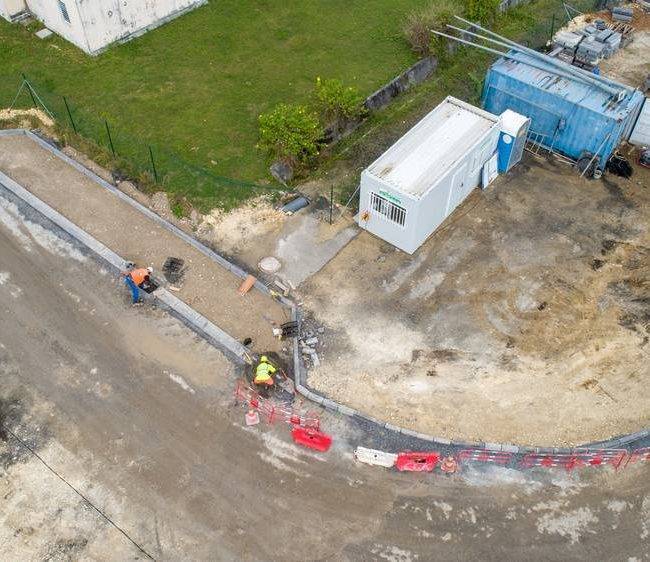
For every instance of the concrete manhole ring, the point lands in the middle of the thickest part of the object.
(269, 264)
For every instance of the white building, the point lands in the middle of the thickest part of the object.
(12, 9)
(411, 188)
(92, 25)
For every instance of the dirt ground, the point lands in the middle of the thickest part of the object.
(524, 319)
(135, 413)
(207, 287)
(632, 64)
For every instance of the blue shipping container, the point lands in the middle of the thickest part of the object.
(567, 115)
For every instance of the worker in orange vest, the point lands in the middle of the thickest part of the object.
(134, 278)
(264, 372)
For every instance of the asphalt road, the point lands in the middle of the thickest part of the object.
(128, 409)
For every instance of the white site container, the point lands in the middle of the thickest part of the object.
(417, 183)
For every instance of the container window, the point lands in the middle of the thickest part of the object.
(64, 11)
(387, 209)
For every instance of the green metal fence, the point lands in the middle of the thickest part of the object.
(151, 165)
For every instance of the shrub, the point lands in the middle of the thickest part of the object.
(482, 11)
(290, 133)
(437, 15)
(336, 101)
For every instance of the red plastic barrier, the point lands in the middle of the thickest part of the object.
(311, 438)
(483, 455)
(417, 462)
(576, 459)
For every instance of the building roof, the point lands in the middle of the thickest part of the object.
(415, 163)
(572, 90)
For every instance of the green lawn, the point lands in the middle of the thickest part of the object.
(196, 85)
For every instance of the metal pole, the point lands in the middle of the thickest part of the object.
(555, 71)
(331, 202)
(153, 164)
(29, 87)
(557, 67)
(110, 140)
(552, 27)
(614, 87)
(67, 107)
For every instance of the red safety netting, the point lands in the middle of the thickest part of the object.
(272, 411)
(576, 459)
(482, 455)
(638, 456)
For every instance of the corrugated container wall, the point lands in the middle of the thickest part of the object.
(567, 115)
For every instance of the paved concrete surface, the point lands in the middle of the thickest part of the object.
(530, 303)
(207, 287)
(134, 412)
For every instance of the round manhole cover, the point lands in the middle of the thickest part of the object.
(270, 265)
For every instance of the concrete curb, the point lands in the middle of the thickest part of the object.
(177, 307)
(236, 270)
(223, 340)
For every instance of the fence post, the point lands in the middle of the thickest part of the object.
(153, 164)
(110, 140)
(331, 202)
(67, 107)
(29, 87)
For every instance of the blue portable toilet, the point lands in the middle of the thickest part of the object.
(512, 140)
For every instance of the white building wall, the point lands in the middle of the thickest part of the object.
(11, 8)
(50, 13)
(107, 21)
(454, 187)
(95, 24)
(379, 225)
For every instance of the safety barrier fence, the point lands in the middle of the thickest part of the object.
(427, 461)
(305, 426)
(273, 411)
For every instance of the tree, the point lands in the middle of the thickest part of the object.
(336, 101)
(290, 133)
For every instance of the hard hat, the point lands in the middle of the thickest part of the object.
(264, 359)
(150, 269)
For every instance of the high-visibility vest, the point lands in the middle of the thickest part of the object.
(139, 275)
(263, 372)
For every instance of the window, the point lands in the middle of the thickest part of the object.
(64, 11)
(387, 209)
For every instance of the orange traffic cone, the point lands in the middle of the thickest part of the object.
(252, 417)
(449, 465)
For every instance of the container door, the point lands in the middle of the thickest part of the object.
(458, 190)
(490, 171)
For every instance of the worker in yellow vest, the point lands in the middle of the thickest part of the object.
(264, 372)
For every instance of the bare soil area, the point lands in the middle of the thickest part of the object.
(135, 412)
(207, 286)
(525, 318)
(632, 64)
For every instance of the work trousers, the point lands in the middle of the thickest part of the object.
(135, 292)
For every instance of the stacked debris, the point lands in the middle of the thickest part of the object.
(309, 344)
(623, 14)
(586, 47)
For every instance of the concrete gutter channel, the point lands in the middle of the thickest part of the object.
(375, 433)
